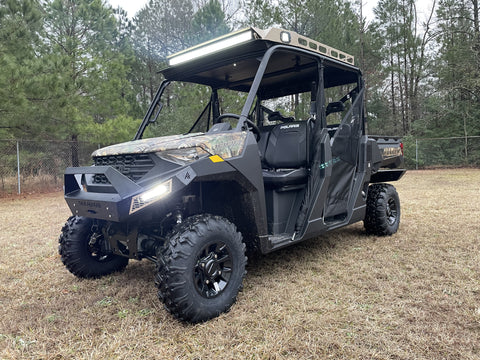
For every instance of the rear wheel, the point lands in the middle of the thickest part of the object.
(83, 252)
(201, 269)
(383, 210)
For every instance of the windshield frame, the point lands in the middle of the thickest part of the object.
(151, 110)
(242, 125)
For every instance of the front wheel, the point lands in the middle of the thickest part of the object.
(382, 217)
(201, 269)
(83, 252)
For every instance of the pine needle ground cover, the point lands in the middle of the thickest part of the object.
(415, 295)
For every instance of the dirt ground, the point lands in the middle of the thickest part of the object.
(345, 295)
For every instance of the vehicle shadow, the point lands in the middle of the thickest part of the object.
(312, 250)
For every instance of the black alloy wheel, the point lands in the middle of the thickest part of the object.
(392, 212)
(382, 217)
(213, 269)
(201, 268)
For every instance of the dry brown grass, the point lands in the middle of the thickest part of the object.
(30, 185)
(415, 295)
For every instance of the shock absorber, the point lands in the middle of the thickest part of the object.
(178, 216)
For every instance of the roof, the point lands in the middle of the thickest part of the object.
(277, 35)
(231, 61)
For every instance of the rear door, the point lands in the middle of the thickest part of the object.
(345, 144)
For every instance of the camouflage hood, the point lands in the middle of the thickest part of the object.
(226, 145)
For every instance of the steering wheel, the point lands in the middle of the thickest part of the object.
(251, 125)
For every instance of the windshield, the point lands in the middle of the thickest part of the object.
(182, 107)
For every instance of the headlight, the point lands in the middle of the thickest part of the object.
(153, 194)
(183, 156)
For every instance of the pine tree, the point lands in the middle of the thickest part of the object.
(209, 22)
(161, 29)
(404, 59)
(82, 37)
(20, 67)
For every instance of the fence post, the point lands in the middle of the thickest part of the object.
(18, 168)
(416, 154)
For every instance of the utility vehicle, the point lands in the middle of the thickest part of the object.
(271, 149)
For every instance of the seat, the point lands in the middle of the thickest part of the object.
(280, 178)
(262, 142)
(284, 159)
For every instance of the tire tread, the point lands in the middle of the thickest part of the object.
(375, 221)
(169, 278)
(72, 250)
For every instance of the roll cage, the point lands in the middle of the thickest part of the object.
(263, 70)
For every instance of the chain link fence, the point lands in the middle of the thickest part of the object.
(424, 153)
(37, 166)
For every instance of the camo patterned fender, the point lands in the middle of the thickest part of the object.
(226, 145)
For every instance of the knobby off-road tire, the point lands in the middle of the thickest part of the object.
(81, 251)
(382, 217)
(201, 269)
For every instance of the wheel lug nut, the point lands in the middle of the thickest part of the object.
(207, 282)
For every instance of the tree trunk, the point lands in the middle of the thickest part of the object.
(392, 92)
(475, 18)
(74, 148)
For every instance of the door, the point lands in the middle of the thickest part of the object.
(345, 144)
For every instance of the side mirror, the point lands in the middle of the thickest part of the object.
(334, 107)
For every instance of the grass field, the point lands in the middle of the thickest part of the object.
(415, 295)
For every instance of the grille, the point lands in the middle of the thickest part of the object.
(132, 166)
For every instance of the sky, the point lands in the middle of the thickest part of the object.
(133, 6)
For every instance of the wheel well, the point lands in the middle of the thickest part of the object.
(228, 199)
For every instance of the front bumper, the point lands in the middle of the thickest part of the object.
(111, 204)
(118, 198)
